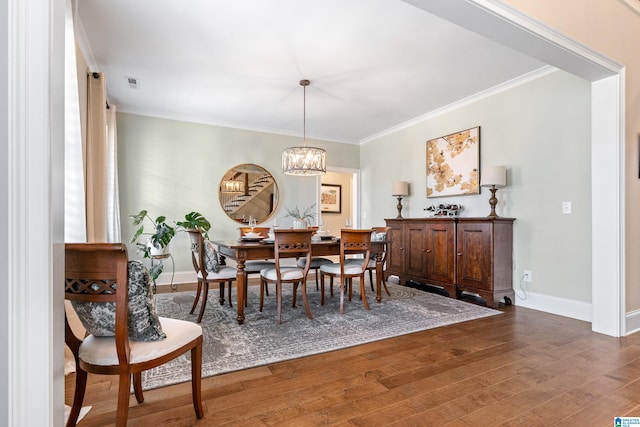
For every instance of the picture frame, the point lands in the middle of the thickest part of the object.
(331, 198)
(453, 164)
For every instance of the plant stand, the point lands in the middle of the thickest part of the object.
(160, 258)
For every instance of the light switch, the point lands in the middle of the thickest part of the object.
(566, 208)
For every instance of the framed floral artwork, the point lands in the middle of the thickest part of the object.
(331, 198)
(453, 164)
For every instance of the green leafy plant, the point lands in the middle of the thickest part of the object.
(297, 214)
(195, 221)
(159, 238)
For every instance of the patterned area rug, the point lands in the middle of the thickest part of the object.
(260, 340)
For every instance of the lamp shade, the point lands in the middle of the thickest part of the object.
(493, 175)
(400, 188)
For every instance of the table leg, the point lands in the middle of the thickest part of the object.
(379, 278)
(240, 291)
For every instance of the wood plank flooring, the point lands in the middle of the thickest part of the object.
(522, 368)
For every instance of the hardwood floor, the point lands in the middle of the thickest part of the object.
(522, 368)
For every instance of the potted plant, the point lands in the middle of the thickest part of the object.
(300, 218)
(155, 245)
(195, 221)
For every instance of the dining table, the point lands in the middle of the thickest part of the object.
(241, 251)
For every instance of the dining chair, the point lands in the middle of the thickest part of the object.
(377, 234)
(111, 297)
(352, 242)
(316, 261)
(208, 270)
(255, 267)
(290, 243)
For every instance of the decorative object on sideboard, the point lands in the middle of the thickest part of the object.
(453, 164)
(304, 160)
(443, 210)
(399, 189)
(494, 177)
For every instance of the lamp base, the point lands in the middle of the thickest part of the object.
(493, 201)
(399, 207)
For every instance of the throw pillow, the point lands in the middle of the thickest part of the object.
(144, 325)
(377, 237)
(211, 260)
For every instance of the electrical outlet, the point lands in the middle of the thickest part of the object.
(526, 276)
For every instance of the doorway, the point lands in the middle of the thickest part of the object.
(338, 199)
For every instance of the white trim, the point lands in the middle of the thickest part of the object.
(632, 321)
(502, 87)
(190, 118)
(560, 306)
(35, 216)
(84, 45)
(633, 4)
(510, 27)
(607, 207)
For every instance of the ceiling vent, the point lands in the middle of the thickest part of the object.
(133, 83)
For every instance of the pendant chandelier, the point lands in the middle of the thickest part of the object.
(304, 160)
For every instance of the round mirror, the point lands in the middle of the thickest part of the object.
(248, 192)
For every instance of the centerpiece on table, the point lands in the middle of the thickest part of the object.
(301, 218)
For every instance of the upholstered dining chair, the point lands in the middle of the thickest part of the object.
(208, 270)
(378, 233)
(290, 243)
(254, 267)
(316, 261)
(113, 299)
(352, 242)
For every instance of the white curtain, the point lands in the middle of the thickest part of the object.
(75, 225)
(92, 212)
(100, 167)
(113, 204)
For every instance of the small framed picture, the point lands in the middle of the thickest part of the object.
(331, 198)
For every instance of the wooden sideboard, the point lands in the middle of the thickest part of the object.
(472, 255)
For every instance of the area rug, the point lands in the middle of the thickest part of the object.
(260, 340)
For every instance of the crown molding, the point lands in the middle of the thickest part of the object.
(509, 84)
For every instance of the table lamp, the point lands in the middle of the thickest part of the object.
(494, 177)
(399, 189)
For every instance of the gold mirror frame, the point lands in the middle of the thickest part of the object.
(248, 190)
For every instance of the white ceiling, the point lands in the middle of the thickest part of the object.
(373, 64)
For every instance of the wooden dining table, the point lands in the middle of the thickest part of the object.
(241, 251)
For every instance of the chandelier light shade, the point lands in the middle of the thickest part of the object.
(304, 160)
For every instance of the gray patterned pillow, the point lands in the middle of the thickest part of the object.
(211, 260)
(144, 325)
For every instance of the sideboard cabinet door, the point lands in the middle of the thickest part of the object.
(395, 248)
(440, 247)
(423, 250)
(484, 264)
(415, 234)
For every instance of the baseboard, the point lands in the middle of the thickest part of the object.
(167, 278)
(632, 322)
(554, 305)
